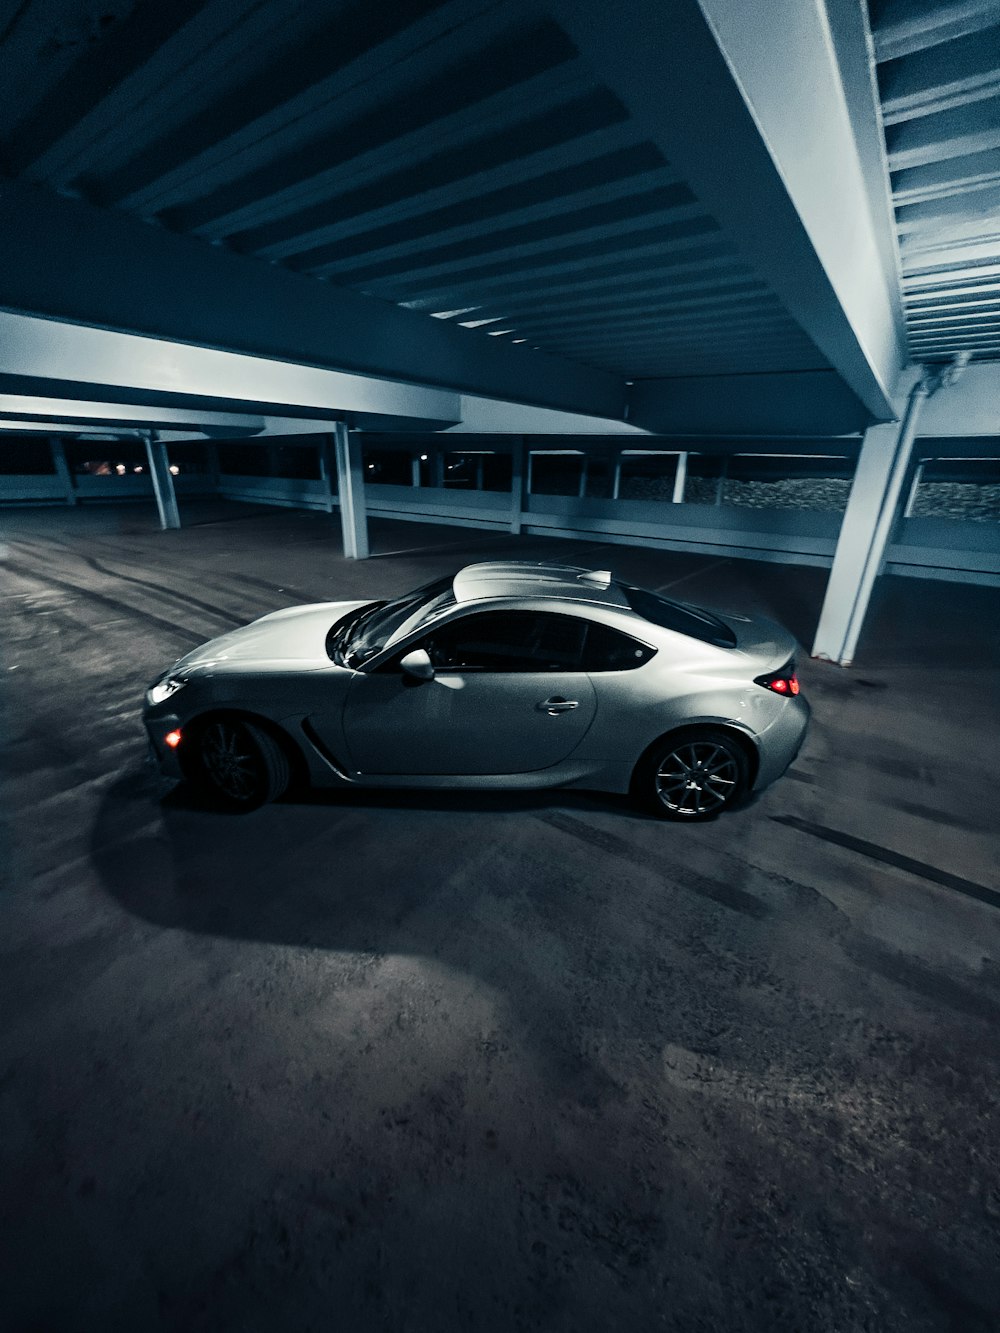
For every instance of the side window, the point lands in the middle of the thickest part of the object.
(610, 650)
(508, 641)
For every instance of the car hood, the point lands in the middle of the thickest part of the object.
(295, 636)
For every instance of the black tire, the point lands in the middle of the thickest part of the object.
(694, 776)
(237, 765)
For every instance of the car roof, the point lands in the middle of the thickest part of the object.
(522, 578)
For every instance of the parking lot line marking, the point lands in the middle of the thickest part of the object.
(713, 564)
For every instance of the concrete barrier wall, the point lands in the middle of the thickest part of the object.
(293, 492)
(922, 547)
(946, 548)
(49, 489)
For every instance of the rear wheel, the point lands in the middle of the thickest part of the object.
(238, 765)
(695, 776)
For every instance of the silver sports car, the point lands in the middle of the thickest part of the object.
(508, 674)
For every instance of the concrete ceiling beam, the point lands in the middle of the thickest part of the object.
(958, 132)
(944, 76)
(68, 260)
(906, 26)
(749, 104)
(812, 402)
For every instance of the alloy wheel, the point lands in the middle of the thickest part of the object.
(697, 778)
(229, 760)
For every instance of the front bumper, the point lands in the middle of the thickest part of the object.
(168, 760)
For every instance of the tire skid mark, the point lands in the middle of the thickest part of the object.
(183, 598)
(725, 895)
(980, 892)
(165, 626)
(273, 588)
(920, 979)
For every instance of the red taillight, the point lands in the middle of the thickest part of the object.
(173, 739)
(783, 682)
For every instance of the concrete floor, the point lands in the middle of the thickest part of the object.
(531, 1061)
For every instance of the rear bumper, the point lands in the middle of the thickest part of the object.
(780, 743)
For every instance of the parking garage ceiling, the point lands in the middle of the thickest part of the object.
(939, 84)
(518, 174)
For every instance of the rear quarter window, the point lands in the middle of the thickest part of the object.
(608, 649)
(689, 620)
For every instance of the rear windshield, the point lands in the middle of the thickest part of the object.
(689, 620)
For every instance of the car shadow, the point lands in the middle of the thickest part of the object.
(514, 889)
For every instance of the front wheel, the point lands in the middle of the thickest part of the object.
(238, 765)
(694, 777)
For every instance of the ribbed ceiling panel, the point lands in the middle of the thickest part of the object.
(453, 156)
(939, 81)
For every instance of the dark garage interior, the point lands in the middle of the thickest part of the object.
(306, 304)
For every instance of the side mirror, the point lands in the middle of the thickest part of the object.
(418, 664)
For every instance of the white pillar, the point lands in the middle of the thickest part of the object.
(163, 481)
(415, 469)
(911, 499)
(58, 450)
(351, 486)
(616, 475)
(584, 469)
(865, 530)
(327, 471)
(212, 457)
(721, 482)
(680, 479)
(518, 478)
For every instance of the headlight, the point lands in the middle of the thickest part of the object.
(164, 688)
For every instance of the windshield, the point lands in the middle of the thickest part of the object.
(373, 630)
(685, 619)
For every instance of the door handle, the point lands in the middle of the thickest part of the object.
(556, 705)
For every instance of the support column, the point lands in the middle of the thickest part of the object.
(438, 467)
(584, 470)
(327, 471)
(864, 533)
(415, 470)
(163, 481)
(616, 475)
(212, 458)
(680, 479)
(911, 499)
(58, 450)
(518, 478)
(351, 486)
(721, 482)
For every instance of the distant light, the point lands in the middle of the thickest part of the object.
(173, 739)
(423, 458)
(479, 323)
(371, 467)
(519, 340)
(121, 469)
(137, 469)
(174, 469)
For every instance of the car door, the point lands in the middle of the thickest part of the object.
(509, 695)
